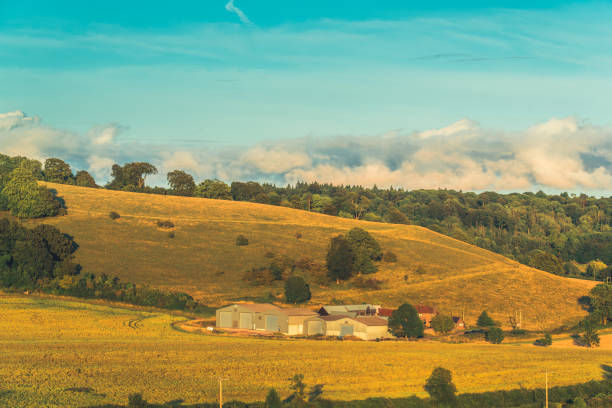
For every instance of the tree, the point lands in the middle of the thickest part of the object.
(241, 240)
(601, 303)
(405, 322)
(131, 175)
(442, 323)
(84, 179)
(440, 387)
(484, 320)
(296, 290)
(340, 259)
(365, 249)
(544, 341)
(181, 183)
(590, 338)
(494, 335)
(273, 400)
(298, 386)
(215, 189)
(58, 171)
(26, 199)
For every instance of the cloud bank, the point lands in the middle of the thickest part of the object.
(561, 154)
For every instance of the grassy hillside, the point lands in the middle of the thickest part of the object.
(57, 353)
(203, 259)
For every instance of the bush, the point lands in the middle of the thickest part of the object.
(441, 388)
(171, 234)
(442, 323)
(137, 401)
(544, 341)
(370, 283)
(165, 224)
(296, 290)
(494, 335)
(241, 240)
(405, 322)
(113, 215)
(389, 257)
(298, 235)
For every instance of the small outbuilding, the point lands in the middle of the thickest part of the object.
(363, 327)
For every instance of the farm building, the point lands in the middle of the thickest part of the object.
(349, 310)
(459, 324)
(364, 327)
(426, 313)
(263, 317)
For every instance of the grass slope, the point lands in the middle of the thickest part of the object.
(58, 353)
(203, 259)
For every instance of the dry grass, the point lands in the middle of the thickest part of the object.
(204, 260)
(49, 346)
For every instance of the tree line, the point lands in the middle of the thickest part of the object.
(549, 232)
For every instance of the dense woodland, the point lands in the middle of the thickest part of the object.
(551, 232)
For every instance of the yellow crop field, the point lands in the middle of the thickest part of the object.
(59, 353)
(203, 259)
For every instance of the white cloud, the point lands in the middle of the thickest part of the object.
(233, 9)
(556, 155)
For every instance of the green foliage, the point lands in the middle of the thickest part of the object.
(601, 303)
(26, 199)
(84, 179)
(131, 176)
(590, 337)
(296, 290)
(440, 387)
(213, 189)
(114, 215)
(545, 261)
(241, 240)
(405, 322)
(544, 341)
(389, 257)
(137, 401)
(273, 400)
(165, 224)
(58, 171)
(365, 249)
(340, 259)
(298, 387)
(181, 183)
(484, 320)
(494, 335)
(442, 323)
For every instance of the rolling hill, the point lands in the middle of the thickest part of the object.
(203, 259)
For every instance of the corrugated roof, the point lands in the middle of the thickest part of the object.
(332, 318)
(260, 307)
(371, 321)
(424, 309)
(298, 312)
(385, 312)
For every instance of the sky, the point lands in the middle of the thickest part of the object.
(469, 95)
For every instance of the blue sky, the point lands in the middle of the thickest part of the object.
(211, 75)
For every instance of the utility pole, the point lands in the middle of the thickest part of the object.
(546, 388)
(221, 391)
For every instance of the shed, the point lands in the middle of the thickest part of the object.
(366, 328)
(263, 317)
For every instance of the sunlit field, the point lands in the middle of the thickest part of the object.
(204, 260)
(60, 353)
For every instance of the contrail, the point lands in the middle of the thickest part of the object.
(233, 9)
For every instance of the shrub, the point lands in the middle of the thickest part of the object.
(369, 283)
(171, 234)
(269, 255)
(494, 335)
(137, 401)
(165, 224)
(389, 257)
(298, 235)
(296, 290)
(590, 338)
(544, 341)
(420, 270)
(273, 400)
(241, 240)
(114, 215)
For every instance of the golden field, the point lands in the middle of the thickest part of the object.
(203, 259)
(104, 353)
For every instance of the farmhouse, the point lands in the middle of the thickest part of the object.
(426, 313)
(263, 317)
(363, 327)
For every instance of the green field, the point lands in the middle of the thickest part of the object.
(58, 353)
(203, 259)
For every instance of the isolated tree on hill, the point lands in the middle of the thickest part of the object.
(181, 183)
(366, 250)
(440, 387)
(590, 338)
(442, 323)
(296, 290)
(405, 322)
(484, 320)
(340, 259)
(84, 179)
(58, 171)
(215, 189)
(130, 175)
